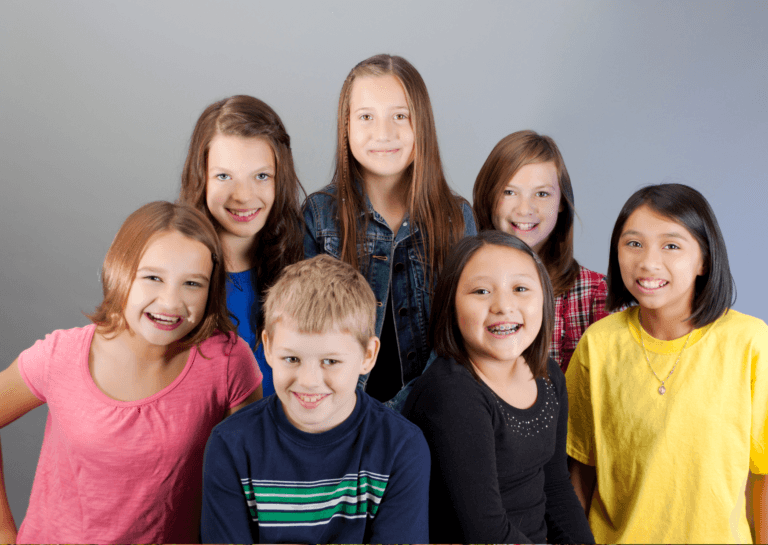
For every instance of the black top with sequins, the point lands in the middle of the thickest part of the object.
(499, 473)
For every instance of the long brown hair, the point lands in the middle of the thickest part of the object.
(511, 154)
(444, 333)
(431, 203)
(124, 255)
(280, 241)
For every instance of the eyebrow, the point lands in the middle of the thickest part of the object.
(362, 108)
(162, 271)
(490, 279)
(673, 234)
(259, 169)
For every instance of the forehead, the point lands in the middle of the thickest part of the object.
(172, 250)
(287, 334)
(370, 91)
(235, 150)
(536, 174)
(499, 263)
(647, 221)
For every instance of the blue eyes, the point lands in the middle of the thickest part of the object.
(223, 177)
(261, 176)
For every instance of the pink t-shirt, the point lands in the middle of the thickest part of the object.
(126, 472)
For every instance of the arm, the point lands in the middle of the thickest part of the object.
(225, 517)
(311, 247)
(403, 514)
(456, 420)
(565, 516)
(757, 506)
(255, 396)
(16, 399)
(584, 479)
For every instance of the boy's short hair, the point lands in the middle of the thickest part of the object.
(322, 294)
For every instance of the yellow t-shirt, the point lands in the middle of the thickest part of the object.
(670, 468)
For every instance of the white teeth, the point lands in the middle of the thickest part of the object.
(311, 398)
(165, 320)
(652, 284)
(243, 213)
(524, 226)
(505, 329)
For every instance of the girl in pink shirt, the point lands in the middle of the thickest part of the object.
(132, 398)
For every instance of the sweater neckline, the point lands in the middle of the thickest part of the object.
(323, 439)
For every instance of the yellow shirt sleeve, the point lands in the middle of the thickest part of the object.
(580, 444)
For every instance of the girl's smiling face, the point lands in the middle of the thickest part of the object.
(380, 132)
(499, 304)
(529, 204)
(169, 293)
(240, 184)
(659, 261)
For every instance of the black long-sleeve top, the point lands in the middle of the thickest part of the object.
(499, 473)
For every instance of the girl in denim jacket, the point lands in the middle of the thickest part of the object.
(389, 211)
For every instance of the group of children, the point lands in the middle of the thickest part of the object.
(384, 293)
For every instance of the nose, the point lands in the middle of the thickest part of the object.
(502, 302)
(651, 258)
(243, 191)
(310, 375)
(384, 129)
(170, 297)
(525, 206)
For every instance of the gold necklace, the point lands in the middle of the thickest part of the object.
(662, 389)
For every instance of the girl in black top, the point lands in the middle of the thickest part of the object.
(493, 406)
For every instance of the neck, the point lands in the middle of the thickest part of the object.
(501, 372)
(238, 254)
(665, 325)
(388, 196)
(134, 347)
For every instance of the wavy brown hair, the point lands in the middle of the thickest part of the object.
(126, 251)
(431, 203)
(444, 333)
(280, 241)
(513, 152)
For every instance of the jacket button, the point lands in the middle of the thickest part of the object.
(399, 267)
(411, 355)
(403, 311)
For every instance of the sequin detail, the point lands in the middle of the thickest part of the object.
(537, 422)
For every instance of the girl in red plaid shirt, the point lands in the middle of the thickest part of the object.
(524, 189)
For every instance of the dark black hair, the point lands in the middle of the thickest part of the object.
(715, 290)
(444, 334)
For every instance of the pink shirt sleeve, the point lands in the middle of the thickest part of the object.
(34, 362)
(243, 374)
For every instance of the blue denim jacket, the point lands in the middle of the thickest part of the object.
(393, 259)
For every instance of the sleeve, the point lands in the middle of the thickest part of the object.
(470, 227)
(597, 312)
(580, 444)
(457, 422)
(226, 516)
(758, 354)
(311, 246)
(243, 374)
(403, 514)
(34, 364)
(566, 521)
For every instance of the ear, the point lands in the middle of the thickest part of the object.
(267, 347)
(702, 269)
(371, 352)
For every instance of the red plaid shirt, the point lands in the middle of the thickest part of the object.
(575, 310)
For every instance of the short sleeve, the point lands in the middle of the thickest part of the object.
(581, 424)
(758, 357)
(35, 361)
(243, 376)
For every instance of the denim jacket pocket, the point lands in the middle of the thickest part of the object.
(331, 242)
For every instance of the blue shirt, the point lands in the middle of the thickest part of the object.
(395, 260)
(364, 481)
(243, 304)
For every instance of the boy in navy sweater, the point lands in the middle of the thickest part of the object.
(320, 461)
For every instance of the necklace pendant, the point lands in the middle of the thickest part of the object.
(662, 390)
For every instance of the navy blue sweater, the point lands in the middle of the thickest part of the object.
(364, 481)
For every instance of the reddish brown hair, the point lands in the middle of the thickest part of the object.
(126, 251)
(511, 154)
(431, 204)
(281, 241)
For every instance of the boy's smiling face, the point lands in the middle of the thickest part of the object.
(315, 374)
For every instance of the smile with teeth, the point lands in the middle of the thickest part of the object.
(167, 322)
(652, 283)
(504, 329)
(523, 226)
(309, 401)
(243, 215)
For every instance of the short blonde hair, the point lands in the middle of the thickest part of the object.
(322, 294)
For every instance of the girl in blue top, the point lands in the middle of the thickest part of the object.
(239, 172)
(388, 210)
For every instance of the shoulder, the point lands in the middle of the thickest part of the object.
(470, 226)
(224, 346)
(556, 376)
(246, 422)
(445, 386)
(322, 197)
(741, 328)
(62, 341)
(588, 281)
(385, 421)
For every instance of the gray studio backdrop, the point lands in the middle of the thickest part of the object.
(98, 100)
